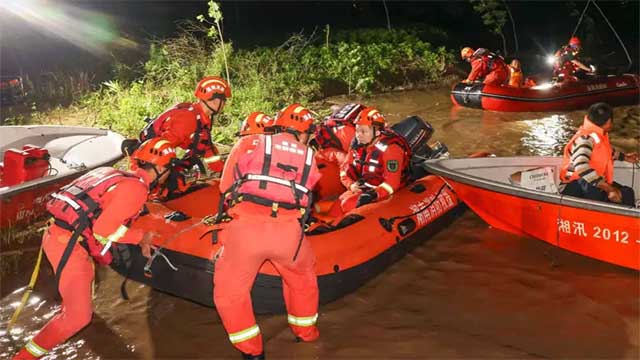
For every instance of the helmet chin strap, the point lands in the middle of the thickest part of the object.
(154, 183)
(213, 112)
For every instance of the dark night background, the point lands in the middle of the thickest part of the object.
(541, 26)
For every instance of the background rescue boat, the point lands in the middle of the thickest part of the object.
(360, 246)
(38, 160)
(612, 89)
(507, 194)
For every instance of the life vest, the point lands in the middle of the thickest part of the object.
(490, 61)
(200, 139)
(76, 206)
(515, 77)
(601, 154)
(338, 130)
(280, 172)
(368, 161)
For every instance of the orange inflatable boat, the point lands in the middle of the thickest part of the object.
(349, 251)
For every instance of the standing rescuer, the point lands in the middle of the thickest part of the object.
(188, 125)
(268, 186)
(94, 211)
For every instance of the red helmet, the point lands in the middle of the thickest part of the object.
(256, 123)
(156, 151)
(575, 41)
(466, 52)
(295, 117)
(370, 117)
(212, 87)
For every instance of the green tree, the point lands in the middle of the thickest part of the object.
(215, 29)
(494, 16)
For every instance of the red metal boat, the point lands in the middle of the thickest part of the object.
(38, 160)
(506, 193)
(613, 89)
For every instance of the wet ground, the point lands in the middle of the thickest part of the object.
(469, 292)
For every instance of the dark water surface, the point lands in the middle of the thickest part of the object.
(469, 292)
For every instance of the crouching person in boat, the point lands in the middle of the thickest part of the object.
(485, 64)
(567, 65)
(377, 164)
(89, 215)
(188, 126)
(332, 139)
(587, 168)
(267, 181)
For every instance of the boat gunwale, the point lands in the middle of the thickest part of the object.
(436, 167)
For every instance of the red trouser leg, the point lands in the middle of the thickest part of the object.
(299, 287)
(348, 201)
(235, 271)
(248, 242)
(75, 290)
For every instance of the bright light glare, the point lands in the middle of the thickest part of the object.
(543, 86)
(89, 30)
(550, 59)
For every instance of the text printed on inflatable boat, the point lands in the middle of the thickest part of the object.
(578, 228)
(437, 208)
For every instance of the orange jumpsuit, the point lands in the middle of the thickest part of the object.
(392, 177)
(479, 69)
(250, 239)
(179, 129)
(123, 202)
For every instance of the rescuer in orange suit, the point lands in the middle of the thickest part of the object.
(89, 215)
(567, 65)
(485, 64)
(188, 125)
(377, 164)
(259, 181)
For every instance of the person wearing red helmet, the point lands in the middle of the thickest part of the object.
(256, 123)
(88, 217)
(267, 186)
(567, 66)
(377, 164)
(188, 125)
(485, 65)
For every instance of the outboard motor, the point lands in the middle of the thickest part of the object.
(417, 132)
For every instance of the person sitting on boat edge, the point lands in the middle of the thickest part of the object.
(377, 165)
(94, 211)
(587, 167)
(268, 185)
(188, 126)
(567, 66)
(485, 65)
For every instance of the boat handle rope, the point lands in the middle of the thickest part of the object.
(387, 224)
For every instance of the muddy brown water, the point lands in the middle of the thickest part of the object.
(469, 292)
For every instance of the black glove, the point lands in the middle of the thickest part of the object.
(367, 197)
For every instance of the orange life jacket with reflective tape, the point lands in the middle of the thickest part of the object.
(77, 205)
(368, 161)
(601, 154)
(280, 172)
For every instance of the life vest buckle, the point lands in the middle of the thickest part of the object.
(274, 209)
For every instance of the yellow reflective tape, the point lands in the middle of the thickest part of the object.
(34, 349)
(387, 187)
(244, 335)
(118, 234)
(211, 159)
(101, 239)
(160, 143)
(302, 321)
(298, 109)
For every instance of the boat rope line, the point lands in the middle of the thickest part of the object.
(610, 26)
(549, 99)
(25, 296)
(387, 224)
